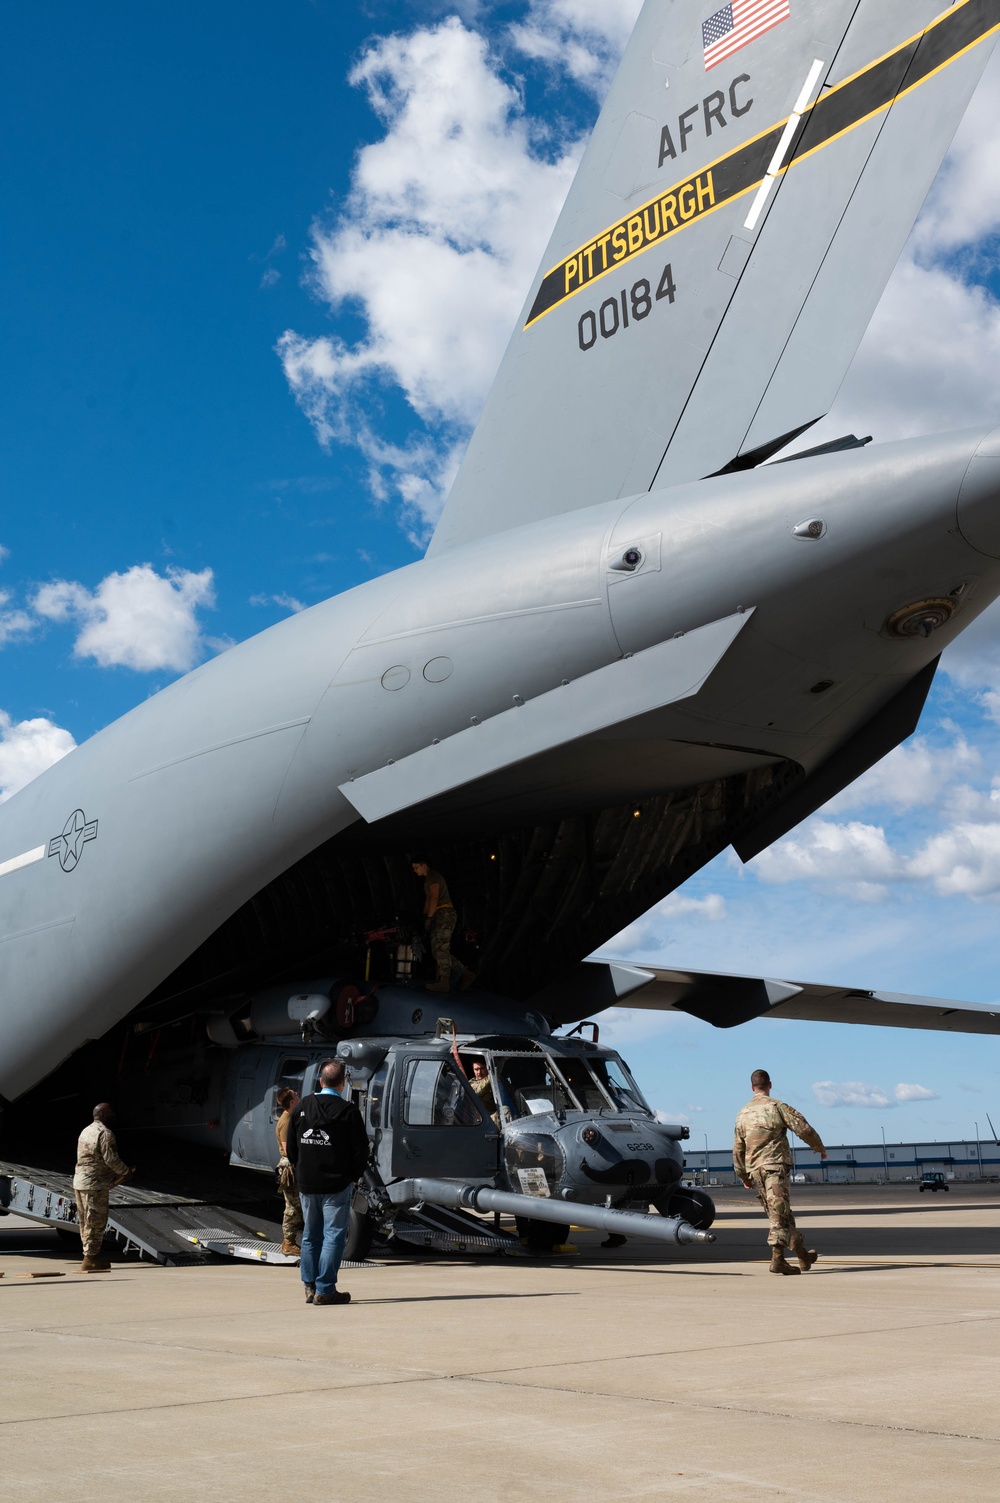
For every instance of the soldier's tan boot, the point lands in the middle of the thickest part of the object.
(94, 1265)
(806, 1255)
(778, 1264)
(290, 1249)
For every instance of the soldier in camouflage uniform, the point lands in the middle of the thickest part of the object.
(439, 920)
(98, 1169)
(479, 1081)
(763, 1161)
(291, 1221)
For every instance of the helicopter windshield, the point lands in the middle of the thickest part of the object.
(529, 1086)
(617, 1081)
(532, 1084)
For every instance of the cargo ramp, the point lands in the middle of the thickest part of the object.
(167, 1227)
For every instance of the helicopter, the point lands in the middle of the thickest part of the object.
(564, 1135)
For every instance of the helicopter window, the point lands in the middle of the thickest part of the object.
(583, 1085)
(375, 1095)
(619, 1084)
(291, 1074)
(434, 1095)
(533, 1087)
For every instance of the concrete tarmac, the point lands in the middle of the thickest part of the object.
(635, 1374)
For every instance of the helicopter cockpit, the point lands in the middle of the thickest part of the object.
(529, 1081)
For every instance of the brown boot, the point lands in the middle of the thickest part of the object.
(438, 986)
(805, 1255)
(290, 1249)
(94, 1265)
(778, 1264)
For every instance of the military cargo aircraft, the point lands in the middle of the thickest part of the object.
(632, 642)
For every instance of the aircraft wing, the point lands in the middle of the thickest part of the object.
(748, 187)
(726, 1001)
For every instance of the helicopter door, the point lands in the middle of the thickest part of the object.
(439, 1129)
(249, 1106)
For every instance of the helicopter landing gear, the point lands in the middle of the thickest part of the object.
(694, 1205)
(541, 1236)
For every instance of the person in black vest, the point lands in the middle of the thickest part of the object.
(328, 1148)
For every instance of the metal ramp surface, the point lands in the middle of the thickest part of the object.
(164, 1226)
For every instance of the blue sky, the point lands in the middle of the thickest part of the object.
(262, 260)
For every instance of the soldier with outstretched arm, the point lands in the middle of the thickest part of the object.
(763, 1161)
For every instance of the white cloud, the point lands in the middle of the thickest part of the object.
(904, 1092)
(679, 905)
(138, 619)
(973, 661)
(583, 38)
(964, 859)
(681, 1117)
(14, 623)
(856, 858)
(913, 774)
(287, 602)
(833, 1093)
(445, 223)
(677, 910)
(27, 747)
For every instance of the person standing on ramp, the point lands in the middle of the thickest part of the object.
(763, 1161)
(291, 1221)
(98, 1170)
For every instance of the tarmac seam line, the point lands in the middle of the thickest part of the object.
(238, 1398)
(729, 1346)
(775, 1414)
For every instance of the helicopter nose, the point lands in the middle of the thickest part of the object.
(979, 498)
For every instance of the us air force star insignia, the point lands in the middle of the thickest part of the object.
(69, 845)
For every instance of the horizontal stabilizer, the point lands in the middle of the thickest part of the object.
(726, 1001)
(632, 686)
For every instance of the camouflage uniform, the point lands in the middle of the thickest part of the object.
(292, 1220)
(97, 1168)
(487, 1100)
(761, 1155)
(441, 926)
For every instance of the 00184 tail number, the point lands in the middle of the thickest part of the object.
(631, 306)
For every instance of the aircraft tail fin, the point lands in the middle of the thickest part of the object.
(748, 187)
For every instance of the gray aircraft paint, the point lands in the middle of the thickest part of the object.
(215, 786)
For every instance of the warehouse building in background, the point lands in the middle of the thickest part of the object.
(866, 1163)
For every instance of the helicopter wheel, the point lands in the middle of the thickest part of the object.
(360, 1236)
(541, 1236)
(694, 1205)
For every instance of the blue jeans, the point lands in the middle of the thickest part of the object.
(323, 1237)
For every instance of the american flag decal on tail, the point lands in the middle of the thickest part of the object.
(738, 23)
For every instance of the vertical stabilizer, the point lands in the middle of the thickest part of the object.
(746, 192)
